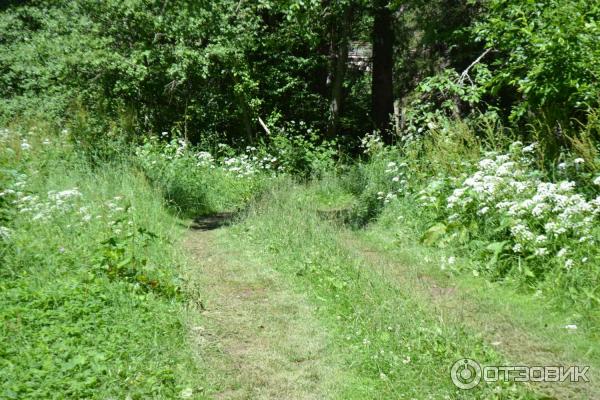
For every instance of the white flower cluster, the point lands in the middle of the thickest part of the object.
(249, 164)
(44, 209)
(371, 143)
(205, 159)
(541, 214)
(5, 233)
(398, 178)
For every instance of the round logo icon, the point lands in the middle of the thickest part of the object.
(466, 374)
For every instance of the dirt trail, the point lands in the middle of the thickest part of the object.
(257, 337)
(456, 306)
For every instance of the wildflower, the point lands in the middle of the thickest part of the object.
(571, 327)
(566, 186)
(517, 248)
(451, 260)
(539, 209)
(562, 252)
(5, 233)
(569, 263)
(65, 194)
(578, 161)
(483, 211)
(597, 181)
(486, 164)
(542, 251)
(531, 148)
(25, 145)
(541, 239)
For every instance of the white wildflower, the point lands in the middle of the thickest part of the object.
(562, 252)
(541, 239)
(483, 211)
(5, 233)
(571, 327)
(517, 248)
(531, 148)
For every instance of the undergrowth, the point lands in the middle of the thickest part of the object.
(90, 298)
(507, 210)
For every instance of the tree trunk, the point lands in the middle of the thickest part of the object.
(383, 62)
(340, 37)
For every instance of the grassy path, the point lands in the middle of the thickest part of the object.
(258, 338)
(295, 306)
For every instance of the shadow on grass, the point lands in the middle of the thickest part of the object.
(213, 221)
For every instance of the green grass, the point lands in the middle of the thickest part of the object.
(89, 306)
(393, 343)
(92, 306)
(533, 313)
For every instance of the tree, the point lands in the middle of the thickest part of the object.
(341, 32)
(383, 62)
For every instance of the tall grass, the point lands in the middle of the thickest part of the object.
(89, 291)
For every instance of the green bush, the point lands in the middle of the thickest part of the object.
(548, 54)
(196, 183)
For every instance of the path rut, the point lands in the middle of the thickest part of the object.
(257, 337)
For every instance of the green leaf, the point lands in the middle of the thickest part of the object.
(434, 234)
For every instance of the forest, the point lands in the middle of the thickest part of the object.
(299, 199)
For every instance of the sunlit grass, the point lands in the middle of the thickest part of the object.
(89, 297)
